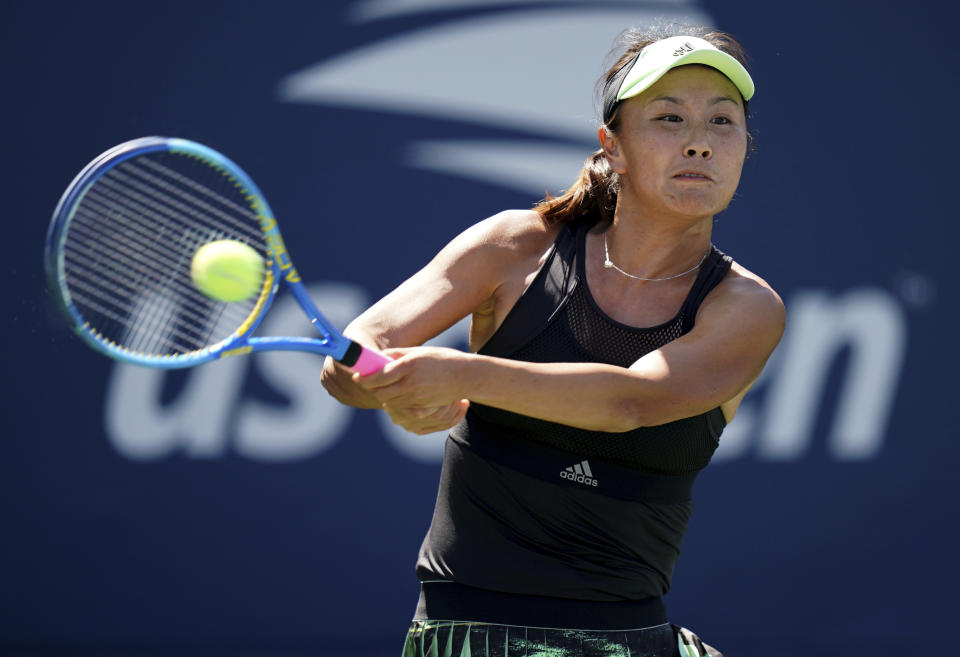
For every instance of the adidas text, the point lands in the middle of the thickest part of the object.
(579, 473)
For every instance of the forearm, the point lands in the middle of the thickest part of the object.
(586, 395)
(591, 396)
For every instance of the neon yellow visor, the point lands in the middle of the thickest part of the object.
(661, 56)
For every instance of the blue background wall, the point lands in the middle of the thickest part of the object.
(235, 509)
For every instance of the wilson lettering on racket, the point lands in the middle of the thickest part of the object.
(120, 245)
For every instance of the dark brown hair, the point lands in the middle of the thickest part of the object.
(593, 195)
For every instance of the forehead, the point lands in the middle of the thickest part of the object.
(693, 80)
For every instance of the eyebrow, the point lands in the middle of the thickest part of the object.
(677, 101)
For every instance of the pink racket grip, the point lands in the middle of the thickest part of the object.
(367, 360)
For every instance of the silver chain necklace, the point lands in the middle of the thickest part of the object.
(608, 264)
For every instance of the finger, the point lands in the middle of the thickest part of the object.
(418, 412)
(411, 414)
(416, 419)
(403, 417)
(413, 419)
(445, 417)
(426, 413)
(377, 380)
(435, 428)
(397, 352)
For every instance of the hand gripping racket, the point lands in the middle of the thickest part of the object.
(119, 249)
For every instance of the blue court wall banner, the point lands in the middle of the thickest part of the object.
(237, 509)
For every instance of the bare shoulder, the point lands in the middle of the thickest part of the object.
(466, 277)
(499, 248)
(746, 281)
(749, 299)
(508, 250)
(517, 231)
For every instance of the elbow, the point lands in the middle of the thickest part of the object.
(633, 413)
(627, 415)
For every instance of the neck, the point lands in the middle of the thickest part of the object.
(657, 248)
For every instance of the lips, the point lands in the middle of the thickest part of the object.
(692, 175)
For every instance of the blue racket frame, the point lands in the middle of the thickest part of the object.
(280, 267)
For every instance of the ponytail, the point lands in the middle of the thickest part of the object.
(592, 197)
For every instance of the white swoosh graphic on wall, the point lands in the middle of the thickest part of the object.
(370, 10)
(531, 71)
(529, 167)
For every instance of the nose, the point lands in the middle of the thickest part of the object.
(698, 145)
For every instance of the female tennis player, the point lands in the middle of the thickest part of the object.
(611, 342)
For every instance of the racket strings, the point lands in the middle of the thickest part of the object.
(240, 218)
(140, 249)
(129, 246)
(145, 342)
(139, 245)
(115, 304)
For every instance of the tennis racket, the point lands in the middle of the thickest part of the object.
(119, 248)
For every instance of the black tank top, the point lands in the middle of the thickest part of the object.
(530, 507)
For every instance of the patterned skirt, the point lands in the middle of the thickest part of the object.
(427, 638)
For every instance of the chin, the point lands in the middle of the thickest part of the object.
(698, 211)
(699, 206)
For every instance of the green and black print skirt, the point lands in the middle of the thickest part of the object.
(428, 638)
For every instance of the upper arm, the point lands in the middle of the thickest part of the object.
(738, 326)
(464, 276)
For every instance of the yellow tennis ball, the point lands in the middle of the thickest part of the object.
(227, 270)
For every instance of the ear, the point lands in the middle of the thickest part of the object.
(611, 148)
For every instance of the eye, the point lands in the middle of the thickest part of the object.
(721, 120)
(670, 118)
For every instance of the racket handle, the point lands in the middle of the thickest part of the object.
(363, 359)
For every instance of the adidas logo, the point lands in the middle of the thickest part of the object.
(579, 473)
